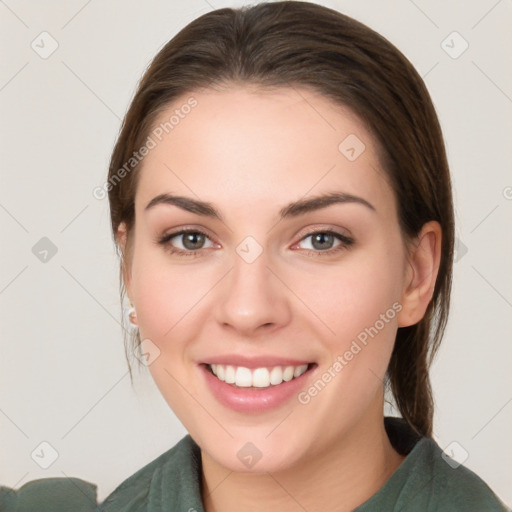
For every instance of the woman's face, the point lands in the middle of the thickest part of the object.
(267, 285)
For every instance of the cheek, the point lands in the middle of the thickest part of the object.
(169, 308)
(353, 367)
(358, 305)
(351, 297)
(167, 295)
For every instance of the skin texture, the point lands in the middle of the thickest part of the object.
(251, 152)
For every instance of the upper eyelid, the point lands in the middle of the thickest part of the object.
(342, 238)
(326, 230)
(184, 231)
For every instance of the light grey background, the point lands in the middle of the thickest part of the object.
(63, 375)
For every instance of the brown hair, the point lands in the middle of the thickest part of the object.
(303, 44)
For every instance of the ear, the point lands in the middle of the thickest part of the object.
(423, 265)
(121, 239)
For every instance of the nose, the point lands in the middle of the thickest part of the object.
(252, 299)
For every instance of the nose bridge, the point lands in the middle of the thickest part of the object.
(251, 296)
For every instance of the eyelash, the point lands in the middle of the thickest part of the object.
(346, 242)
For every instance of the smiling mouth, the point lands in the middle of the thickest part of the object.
(257, 378)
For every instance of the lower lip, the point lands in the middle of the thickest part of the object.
(254, 399)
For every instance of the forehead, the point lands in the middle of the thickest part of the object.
(241, 147)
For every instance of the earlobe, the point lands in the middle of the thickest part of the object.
(121, 236)
(423, 260)
(121, 239)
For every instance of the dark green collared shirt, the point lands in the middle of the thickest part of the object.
(426, 481)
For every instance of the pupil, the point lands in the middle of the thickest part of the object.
(322, 238)
(193, 239)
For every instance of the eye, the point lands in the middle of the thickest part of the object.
(190, 242)
(185, 242)
(325, 242)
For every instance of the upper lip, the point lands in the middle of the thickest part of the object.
(254, 361)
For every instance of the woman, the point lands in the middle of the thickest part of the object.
(281, 200)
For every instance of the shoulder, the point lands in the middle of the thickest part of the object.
(50, 495)
(457, 487)
(171, 478)
(429, 480)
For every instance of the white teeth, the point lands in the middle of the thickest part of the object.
(259, 377)
(288, 373)
(230, 375)
(276, 375)
(300, 370)
(243, 377)
(220, 372)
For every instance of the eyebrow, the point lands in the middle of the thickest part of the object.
(294, 209)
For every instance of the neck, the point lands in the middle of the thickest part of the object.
(340, 478)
